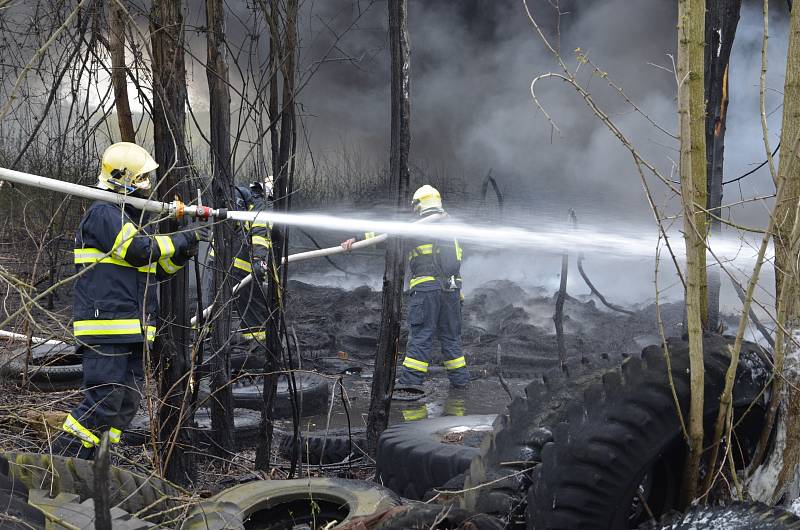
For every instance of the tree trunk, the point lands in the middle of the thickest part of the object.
(389, 333)
(784, 458)
(722, 19)
(116, 44)
(174, 337)
(282, 165)
(222, 191)
(691, 106)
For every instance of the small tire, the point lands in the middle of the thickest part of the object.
(149, 497)
(736, 516)
(247, 424)
(278, 504)
(317, 448)
(52, 367)
(313, 391)
(412, 458)
(424, 516)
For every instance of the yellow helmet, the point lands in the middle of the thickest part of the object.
(426, 200)
(125, 168)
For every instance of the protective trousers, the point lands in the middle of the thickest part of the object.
(432, 312)
(251, 304)
(113, 378)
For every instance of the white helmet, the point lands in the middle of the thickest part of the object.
(427, 200)
(263, 186)
(125, 168)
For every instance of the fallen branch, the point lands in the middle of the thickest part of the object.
(596, 292)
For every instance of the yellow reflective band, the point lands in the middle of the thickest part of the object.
(422, 250)
(123, 240)
(211, 253)
(370, 235)
(419, 413)
(169, 266)
(114, 435)
(456, 363)
(420, 279)
(262, 241)
(413, 364)
(260, 224)
(165, 246)
(124, 326)
(242, 264)
(255, 335)
(85, 256)
(150, 333)
(455, 407)
(459, 250)
(72, 426)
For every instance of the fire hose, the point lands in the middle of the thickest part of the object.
(179, 210)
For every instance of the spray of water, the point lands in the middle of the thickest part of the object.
(543, 237)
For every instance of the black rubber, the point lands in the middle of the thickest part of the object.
(313, 392)
(15, 512)
(432, 516)
(148, 496)
(412, 459)
(53, 367)
(625, 435)
(736, 516)
(317, 448)
(280, 504)
(518, 436)
(246, 428)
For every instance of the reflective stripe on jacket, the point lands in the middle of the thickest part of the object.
(116, 298)
(432, 264)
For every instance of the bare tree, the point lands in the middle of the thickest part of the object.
(172, 343)
(691, 111)
(393, 275)
(116, 46)
(222, 191)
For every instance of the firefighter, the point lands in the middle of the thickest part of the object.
(120, 262)
(435, 304)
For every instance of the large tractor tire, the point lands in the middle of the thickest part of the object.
(297, 503)
(317, 447)
(502, 465)
(620, 451)
(52, 367)
(736, 516)
(414, 458)
(151, 498)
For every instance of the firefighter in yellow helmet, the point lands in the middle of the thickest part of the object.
(435, 304)
(115, 301)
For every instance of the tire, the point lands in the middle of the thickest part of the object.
(317, 448)
(412, 458)
(736, 516)
(279, 504)
(15, 512)
(53, 367)
(246, 429)
(518, 436)
(313, 391)
(625, 439)
(147, 496)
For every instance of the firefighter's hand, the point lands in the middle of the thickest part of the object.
(260, 270)
(200, 230)
(348, 245)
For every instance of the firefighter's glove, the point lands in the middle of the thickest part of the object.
(201, 231)
(260, 270)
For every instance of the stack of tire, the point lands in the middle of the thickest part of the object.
(596, 445)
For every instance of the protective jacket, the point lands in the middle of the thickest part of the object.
(116, 298)
(252, 242)
(435, 265)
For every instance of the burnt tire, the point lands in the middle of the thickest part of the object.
(148, 496)
(246, 429)
(432, 516)
(52, 367)
(313, 393)
(412, 457)
(736, 516)
(519, 435)
(317, 448)
(279, 504)
(623, 441)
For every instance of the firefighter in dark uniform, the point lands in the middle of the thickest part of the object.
(115, 304)
(435, 304)
(251, 250)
